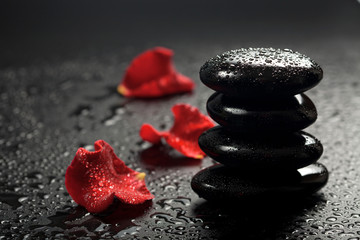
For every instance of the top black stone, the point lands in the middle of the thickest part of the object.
(254, 72)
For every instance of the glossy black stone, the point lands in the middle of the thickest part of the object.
(258, 72)
(254, 151)
(222, 183)
(292, 113)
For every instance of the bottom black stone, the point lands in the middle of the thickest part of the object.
(222, 183)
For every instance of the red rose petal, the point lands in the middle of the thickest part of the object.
(189, 124)
(151, 74)
(150, 134)
(94, 178)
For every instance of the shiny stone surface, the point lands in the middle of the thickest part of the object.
(292, 113)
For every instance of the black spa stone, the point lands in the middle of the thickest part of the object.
(259, 72)
(221, 183)
(291, 113)
(255, 151)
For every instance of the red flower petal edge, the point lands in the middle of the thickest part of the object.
(189, 124)
(151, 74)
(94, 178)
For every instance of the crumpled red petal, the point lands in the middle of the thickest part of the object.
(151, 74)
(189, 124)
(94, 178)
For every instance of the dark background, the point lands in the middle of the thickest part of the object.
(60, 63)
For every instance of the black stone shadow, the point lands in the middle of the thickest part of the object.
(257, 218)
(163, 156)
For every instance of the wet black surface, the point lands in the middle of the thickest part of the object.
(60, 63)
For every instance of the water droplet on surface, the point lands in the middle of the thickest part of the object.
(11, 199)
(331, 219)
(81, 110)
(35, 175)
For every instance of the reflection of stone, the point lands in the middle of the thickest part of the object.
(261, 110)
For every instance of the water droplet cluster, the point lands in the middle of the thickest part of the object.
(260, 71)
(283, 58)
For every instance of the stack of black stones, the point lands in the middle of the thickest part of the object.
(261, 108)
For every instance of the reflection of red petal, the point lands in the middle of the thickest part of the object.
(162, 155)
(189, 124)
(151, 74)
(94, 178)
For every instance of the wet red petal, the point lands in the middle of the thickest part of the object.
(151, 74)
(94, 178)
(150, 134)
(189, 124)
